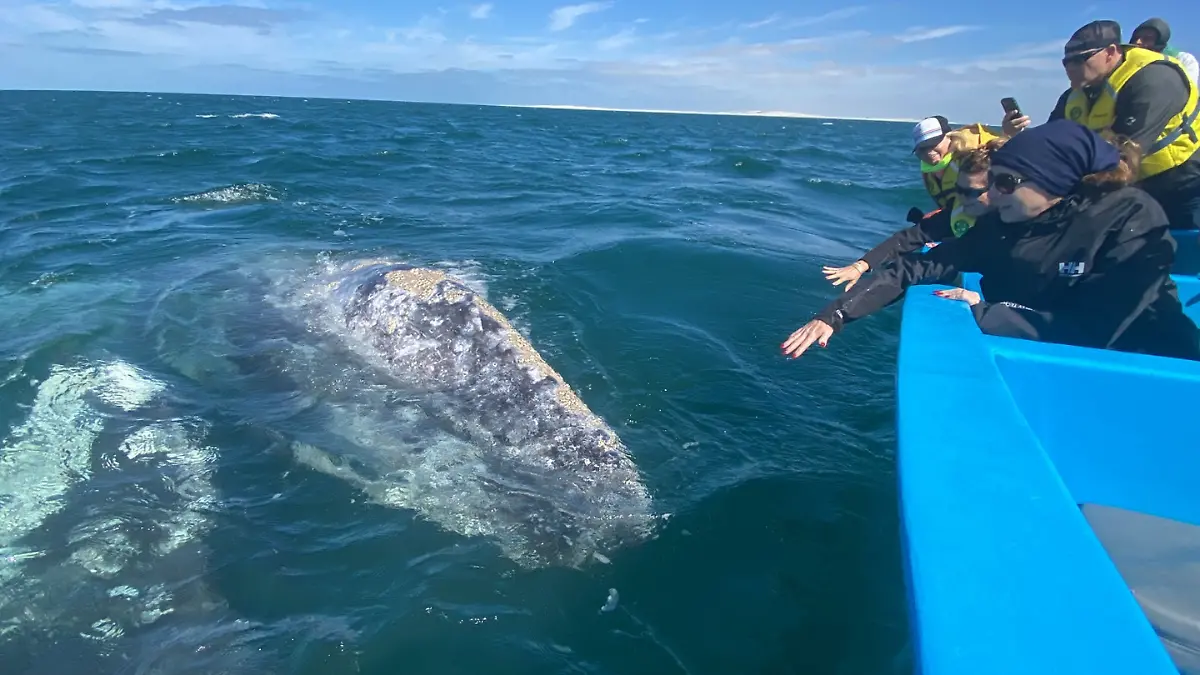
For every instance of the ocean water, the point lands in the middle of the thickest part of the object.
(198, 475)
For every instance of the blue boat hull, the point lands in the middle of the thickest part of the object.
(999, 441)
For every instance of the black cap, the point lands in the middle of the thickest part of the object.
(1095, 35)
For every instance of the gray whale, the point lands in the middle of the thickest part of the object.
(559, 481)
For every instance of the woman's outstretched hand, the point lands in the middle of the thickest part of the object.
(814, 331)
(850, 273)
(970, 297)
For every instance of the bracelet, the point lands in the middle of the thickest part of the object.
(864, 268)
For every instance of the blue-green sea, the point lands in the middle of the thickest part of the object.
(163, 368)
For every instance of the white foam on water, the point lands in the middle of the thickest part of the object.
(111, 575)
(169, 452)
(265, 116)
(51, 451)
(186, 466)
(244, 192)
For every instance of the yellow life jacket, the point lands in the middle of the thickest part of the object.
(960, 221)
(1178, 141)
(970, 137)
(941, 188)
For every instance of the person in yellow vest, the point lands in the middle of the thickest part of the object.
(1119, 89)
(937, 146)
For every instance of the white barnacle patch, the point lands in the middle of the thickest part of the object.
(104, 629)
(123, 592)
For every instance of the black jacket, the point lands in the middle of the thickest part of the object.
(1087, 272)
(1147, 102)
(933, 227)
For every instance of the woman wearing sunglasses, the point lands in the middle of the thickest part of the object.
(969, 202)
(1070, 254)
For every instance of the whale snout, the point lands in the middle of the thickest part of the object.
(562, 536)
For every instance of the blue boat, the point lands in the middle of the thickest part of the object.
(999, 441)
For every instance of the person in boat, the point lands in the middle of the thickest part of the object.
(1147, 97)
(934, 143)
(1071, 253)
(969, 203)
(1154, 34)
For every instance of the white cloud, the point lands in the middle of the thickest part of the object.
(834, 15)
(564, 17)
(617, 41)
(115, 4)
(481, 11)
(762, 22)
(425, 30)
(920, 33)
(40, 18)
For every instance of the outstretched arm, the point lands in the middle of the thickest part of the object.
(882, 289)
(933, 227)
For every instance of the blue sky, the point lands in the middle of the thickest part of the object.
(870, 59)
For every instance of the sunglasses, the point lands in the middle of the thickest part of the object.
(1078, 59)
(1005, 183)
(970, 193)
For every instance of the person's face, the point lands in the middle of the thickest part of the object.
(1015, 198)
(1090, 67)
(972, 191)
(1146, 38)
(932, 153)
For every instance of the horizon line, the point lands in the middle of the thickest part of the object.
(731, 113)
(781, 114)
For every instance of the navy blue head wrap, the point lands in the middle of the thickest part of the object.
(1056, 155)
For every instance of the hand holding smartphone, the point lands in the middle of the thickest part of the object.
(1014, 119)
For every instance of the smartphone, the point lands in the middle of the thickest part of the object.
(1010, 105)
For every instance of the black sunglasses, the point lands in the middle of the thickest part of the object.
(1077, 59)
(970, 193)
(1005, 183)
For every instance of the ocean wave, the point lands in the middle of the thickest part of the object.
(232, 194)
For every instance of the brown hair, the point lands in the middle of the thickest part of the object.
(1125, 173)
(979, 160)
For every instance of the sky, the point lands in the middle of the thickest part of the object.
(884, 59)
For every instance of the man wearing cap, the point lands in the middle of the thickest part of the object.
(1154, 34)
(1123, 90)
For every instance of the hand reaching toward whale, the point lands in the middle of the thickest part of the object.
(850, 273)
(814, 331)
